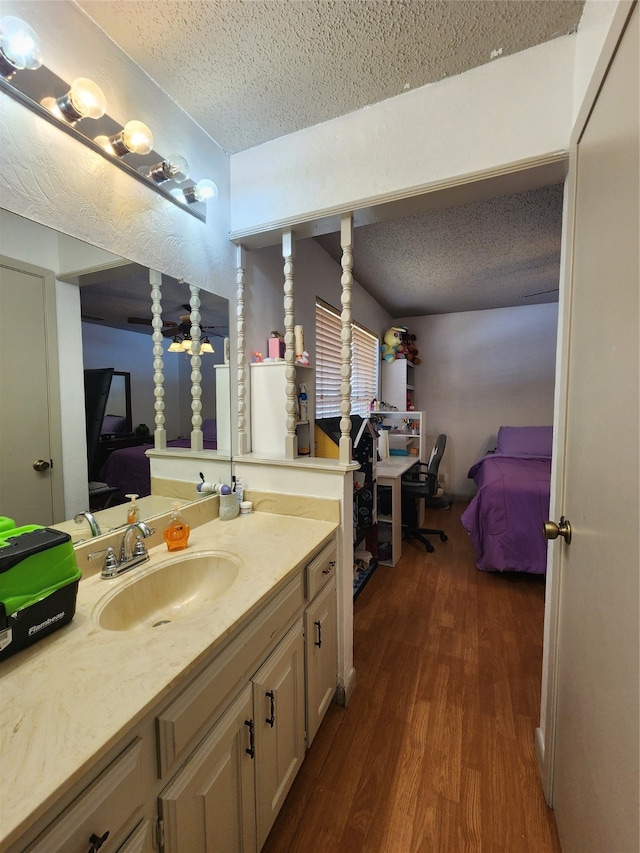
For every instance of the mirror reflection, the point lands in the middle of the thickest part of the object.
(102, 317)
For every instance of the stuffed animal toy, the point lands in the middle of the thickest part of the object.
(408, 348)
(392, 340)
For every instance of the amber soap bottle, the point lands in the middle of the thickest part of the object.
(176, 533)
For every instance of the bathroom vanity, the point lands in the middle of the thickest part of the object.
(131, 734)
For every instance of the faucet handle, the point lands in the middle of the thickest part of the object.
(110, 561)
(140, 549)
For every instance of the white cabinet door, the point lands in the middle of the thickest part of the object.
(321, 655)
(210, 805)
(278, 704)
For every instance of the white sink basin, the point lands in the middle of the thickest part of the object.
(169, 591)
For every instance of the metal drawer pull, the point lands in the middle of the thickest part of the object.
(329, 568)
(252, 743)
(272, 699)
(97, 841)
(318, 642)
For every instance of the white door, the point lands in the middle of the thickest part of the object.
(30, 451)
(596, 751)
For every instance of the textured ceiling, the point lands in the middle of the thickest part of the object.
(495, 253)
(249, 71)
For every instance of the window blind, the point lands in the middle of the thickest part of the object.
(364, 364)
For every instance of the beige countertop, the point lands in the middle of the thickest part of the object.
(68, 699)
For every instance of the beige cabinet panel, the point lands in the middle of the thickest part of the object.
(279, 714)
(321, 655)
(210, 805)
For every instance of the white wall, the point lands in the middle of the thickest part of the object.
(316, 275)
(516, 108)
(480, 370)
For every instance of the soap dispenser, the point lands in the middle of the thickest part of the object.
(133, 510)
(176, 533)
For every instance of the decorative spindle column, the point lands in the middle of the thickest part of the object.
(291, 439)
(160, 433)
(243, 438)
(196, 374)
(346, 242)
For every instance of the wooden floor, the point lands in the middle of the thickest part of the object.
(436, 749)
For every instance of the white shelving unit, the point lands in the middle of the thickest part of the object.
(268, 408)
(397, 383)
(406, 433)
(407, 438)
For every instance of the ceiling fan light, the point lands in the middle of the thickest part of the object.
(205, 346)
(176, 345)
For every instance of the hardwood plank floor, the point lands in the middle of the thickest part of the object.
(436, 749)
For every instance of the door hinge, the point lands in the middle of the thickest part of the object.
(159, 833)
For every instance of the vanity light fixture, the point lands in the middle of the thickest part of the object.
(134, 138)
(65, 106)
(20, 47)
(202, 191)
(85, 99)
(175, 168)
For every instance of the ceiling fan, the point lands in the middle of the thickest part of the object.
(170, 328)
(181, 332)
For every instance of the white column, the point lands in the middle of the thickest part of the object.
(291, 439)
(346, 241)
(243, 438)
(196, 374)
(160, 433)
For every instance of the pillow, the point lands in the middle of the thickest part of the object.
(209, 429)
(525, 441)
(112, 424)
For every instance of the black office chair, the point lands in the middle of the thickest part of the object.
(420, 482)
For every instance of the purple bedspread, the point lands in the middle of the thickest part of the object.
(504, 520)
(128, 468)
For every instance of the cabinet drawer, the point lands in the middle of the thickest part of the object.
(320, 569)
(107, 805)
(207, 695)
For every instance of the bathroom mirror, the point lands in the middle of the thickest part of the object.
(103, 310)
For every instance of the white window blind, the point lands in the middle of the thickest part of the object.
(364, 364)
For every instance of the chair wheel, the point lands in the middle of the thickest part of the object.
(429, 547)
(443, 537)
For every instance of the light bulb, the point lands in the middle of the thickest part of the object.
(134, 138)
(173, 168)
(137, 137)
(202, 191)
(85, 99)
(19, 47)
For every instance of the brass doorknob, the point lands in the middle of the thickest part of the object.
(553, 530)
(40, 465)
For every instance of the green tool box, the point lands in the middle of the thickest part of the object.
(39, 579)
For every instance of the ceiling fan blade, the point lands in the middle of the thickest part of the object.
(144, 321)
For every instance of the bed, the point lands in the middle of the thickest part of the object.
(504, 520)
(128, 469)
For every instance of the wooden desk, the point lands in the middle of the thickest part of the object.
(389, 473)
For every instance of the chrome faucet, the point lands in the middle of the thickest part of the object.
(132, 544)
(91, 519)
(132, 552)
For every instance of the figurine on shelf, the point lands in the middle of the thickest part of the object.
(257, 357)
(303, 360)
